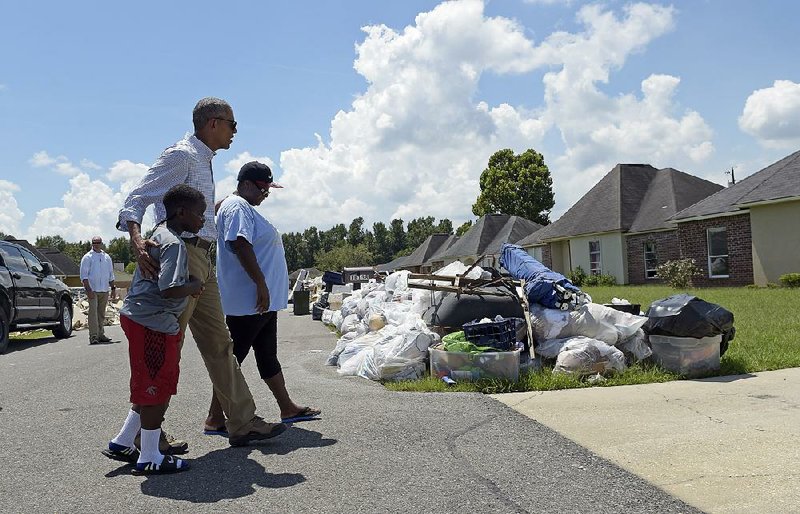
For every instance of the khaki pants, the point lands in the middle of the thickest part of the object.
(205, 319)
(97, 314)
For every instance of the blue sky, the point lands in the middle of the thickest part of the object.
(384, 109)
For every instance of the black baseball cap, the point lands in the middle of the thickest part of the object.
(257, 172)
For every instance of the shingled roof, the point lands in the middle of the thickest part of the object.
(393, 265)
(488, 235)
(630, 198)
(778, 181)
(438, 255)
(427, 249)
(61, 262)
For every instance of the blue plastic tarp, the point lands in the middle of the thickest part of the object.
(540, 281)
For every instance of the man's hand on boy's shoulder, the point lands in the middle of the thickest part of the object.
(148, 266)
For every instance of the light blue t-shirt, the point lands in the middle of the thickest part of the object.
(237, 290)
(144, 303)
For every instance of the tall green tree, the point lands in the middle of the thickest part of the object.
(355, 234)
(397, 235)
(418, 230)
(335, 236)
(313, 244)
(56, 242)
(344, 256)
(520, 185)
(381, 246)
(120, 250)
(445, 227)
(292, 250)
(463, 228)
(76, 251)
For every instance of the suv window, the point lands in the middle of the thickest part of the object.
(14, 259)
(33, 263)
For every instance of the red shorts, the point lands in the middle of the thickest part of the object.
(154, 360)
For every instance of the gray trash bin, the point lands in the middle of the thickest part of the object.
(301, 300)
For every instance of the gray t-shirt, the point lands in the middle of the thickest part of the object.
(144, 303)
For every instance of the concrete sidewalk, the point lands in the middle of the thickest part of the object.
(726, 444)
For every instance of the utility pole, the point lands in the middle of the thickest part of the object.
(732, 181)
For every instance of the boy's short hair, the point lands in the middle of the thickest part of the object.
(182, 195)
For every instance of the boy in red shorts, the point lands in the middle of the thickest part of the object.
(149, 318)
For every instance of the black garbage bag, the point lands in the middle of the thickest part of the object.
(684, 315)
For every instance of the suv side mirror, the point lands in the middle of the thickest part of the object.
(47, 269)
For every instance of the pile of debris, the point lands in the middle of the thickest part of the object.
(467, 323)
(80, 311)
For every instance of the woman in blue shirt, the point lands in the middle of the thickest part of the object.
(254, 285)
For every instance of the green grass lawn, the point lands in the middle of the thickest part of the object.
(767, 338)
(34, 334)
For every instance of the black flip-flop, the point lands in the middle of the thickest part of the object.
(305, 414)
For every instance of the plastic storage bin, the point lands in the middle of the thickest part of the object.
(497, 334)
(468, 366)
(686, 355)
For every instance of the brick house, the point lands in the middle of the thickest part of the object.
(622, 226)
(746, 233)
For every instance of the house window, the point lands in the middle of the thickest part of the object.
(650, 259)
(594, 258)
(717, 252)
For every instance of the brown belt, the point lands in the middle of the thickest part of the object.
(199, 242)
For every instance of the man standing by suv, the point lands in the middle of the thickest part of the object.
(189, 162)
(97, 275)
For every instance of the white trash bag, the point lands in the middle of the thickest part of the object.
(583, 355)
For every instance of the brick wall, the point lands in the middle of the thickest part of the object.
(693, 244)
(667, 249)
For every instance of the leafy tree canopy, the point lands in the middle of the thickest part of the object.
(344, 256)
(56, 242)
(518, 185)
(463, 228)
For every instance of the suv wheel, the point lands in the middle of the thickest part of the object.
(64, 328)
(3, 330)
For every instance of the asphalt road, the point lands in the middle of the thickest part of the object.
(373, 450)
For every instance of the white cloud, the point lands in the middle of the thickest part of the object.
(10, 215)
(127, 174)
(90, 207)
(772, 115)
(89, 165)
(59, 164)
(549, 2)
(416, 140)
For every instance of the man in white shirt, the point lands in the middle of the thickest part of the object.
(97, 275)
(189, 162)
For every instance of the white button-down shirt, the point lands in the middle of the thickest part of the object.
(186, 162)
(98, 269)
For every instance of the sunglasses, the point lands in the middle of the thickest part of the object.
(264, 188)
(232, 123)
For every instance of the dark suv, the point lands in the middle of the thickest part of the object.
(30, 296)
